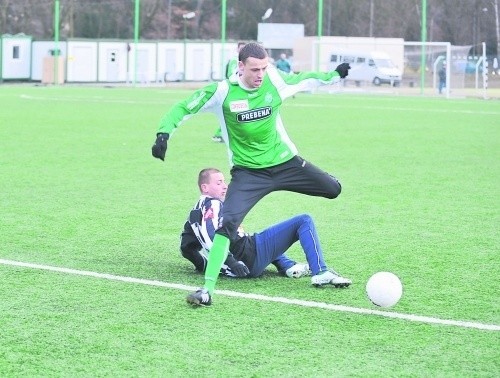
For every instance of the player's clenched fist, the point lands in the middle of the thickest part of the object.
(343, 70)
(160, 147)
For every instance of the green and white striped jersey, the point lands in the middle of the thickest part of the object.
(250, 118)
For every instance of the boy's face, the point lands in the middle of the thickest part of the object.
(253, 71)
(216, 187)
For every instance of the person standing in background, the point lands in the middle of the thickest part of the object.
(442, 78)
(283, 64)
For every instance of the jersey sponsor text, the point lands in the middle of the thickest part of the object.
(237, 106)
(256, 114)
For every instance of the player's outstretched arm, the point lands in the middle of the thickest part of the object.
(203, 99)
(291, 83)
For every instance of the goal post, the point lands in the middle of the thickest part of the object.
(434, 56)
(418, 65)
(466, 74)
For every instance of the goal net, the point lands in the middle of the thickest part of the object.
(461, 72)
(391, 65)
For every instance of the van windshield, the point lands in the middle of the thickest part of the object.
(384, 63)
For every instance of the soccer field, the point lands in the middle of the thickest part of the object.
(93, 284)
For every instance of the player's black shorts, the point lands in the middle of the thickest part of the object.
(248, 186)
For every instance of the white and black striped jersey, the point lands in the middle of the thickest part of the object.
(204, 220)
(199, 230)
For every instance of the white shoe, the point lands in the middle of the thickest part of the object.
(330, 278)
(298, 270)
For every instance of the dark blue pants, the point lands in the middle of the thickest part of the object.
(272, 243)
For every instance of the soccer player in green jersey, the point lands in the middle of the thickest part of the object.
(262, 156)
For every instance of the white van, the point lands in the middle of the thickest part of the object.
(375, 67)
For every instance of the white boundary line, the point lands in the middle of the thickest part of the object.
(228, 293)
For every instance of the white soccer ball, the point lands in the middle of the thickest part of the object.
(384, 289)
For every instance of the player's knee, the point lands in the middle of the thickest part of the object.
(305, 218)
(306, 222)
(335, 188)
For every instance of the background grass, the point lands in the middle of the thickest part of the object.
(80, 190)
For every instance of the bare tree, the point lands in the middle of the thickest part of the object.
(497, 25)
(461, 22)
(4, 14)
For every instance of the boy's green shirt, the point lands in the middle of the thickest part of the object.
(250, 118)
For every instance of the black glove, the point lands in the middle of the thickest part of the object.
(238, 268)
(160, 147)
(343, 69)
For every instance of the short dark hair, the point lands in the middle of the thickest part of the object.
(204, 175)
(252, 50)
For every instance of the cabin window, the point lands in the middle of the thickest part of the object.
(15, 52)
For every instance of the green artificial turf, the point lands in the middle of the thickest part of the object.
(80, 190)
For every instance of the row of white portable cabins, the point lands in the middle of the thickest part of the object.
(115, 61)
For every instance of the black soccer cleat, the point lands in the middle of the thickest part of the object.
(200, 297)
